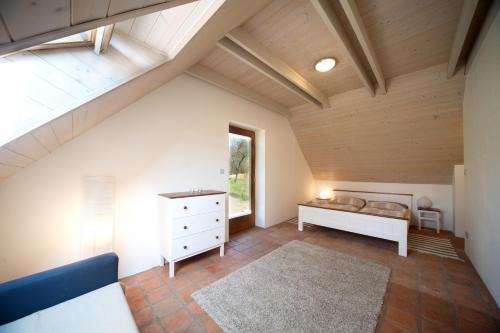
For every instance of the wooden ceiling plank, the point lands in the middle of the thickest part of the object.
(240, 53)
(46, 137)
(43, 37)
(120, 6)
(464, 24)
(11, 158)
(88, 10)
(254, 47)
(357, 24)
(332, 22)
(37, 16)
(27, 146)
(206, 74)
(63, 127)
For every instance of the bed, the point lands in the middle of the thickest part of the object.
(376, 214)
(80, 297)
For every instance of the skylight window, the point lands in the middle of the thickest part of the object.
(41, 83)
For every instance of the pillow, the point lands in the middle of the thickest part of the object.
(342, 200)
(350, 208)
(387, 205)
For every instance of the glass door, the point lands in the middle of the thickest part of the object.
(241, 179)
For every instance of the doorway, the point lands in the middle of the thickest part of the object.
(241, 179)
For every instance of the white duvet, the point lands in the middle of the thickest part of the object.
(101, 310)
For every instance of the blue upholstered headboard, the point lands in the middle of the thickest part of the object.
(24, 296)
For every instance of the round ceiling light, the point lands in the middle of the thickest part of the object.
(325, 64)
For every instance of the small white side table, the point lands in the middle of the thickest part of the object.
(431, 215)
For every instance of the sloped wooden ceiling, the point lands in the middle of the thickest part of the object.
(27, 23)
(386, 113)
(413, 134)
(32, 146)
(410, 134)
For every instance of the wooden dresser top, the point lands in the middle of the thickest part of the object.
(177, 195)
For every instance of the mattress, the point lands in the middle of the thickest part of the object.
(102, 310)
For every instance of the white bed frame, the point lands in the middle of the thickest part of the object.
(393, 229)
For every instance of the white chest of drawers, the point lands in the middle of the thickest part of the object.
(191, 223)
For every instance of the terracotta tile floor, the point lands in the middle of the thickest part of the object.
(426, 293)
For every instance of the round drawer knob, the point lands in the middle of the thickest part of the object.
(185, 207)
(185, 227)
(185, 247)
(216, 220)
(217, 203)
(216, 237)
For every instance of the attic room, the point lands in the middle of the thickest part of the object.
(249, 166)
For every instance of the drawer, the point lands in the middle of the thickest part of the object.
(191, 225)
(185, 246)
(183, 207)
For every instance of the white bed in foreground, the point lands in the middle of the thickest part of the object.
(390, 228)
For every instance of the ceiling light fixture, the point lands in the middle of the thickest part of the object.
(325, 64)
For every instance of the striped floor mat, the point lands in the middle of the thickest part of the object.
(295, 221)
(432, 245)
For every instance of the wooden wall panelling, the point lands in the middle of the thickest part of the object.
(28, 146)
(63, 127)
(464, 24)
(39, 37)
(327, 14)
(46, 137)
(25, 18)
(88, 10)
(212, 77)
(352, 13)
(227, 65)
(11, 158)
(251, 45)
(413, 134)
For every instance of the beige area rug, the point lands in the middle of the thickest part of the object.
(299, 287)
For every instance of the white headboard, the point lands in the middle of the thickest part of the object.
(406, 199)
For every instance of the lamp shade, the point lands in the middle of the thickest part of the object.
(424, 202)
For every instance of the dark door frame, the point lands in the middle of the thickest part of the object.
(240, 223)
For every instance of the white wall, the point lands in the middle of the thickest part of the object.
(459, 200)
(170, 140)
(482, 160)
(441, 195)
